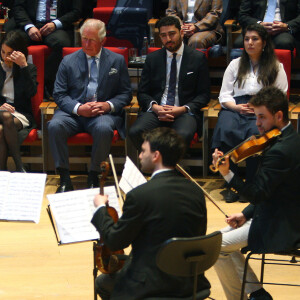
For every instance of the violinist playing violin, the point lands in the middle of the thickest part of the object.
(271, 222)
(167, 206)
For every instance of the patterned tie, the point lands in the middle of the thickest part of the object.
(93, 80)
(270, 13)
(48, 6)
(172, 81)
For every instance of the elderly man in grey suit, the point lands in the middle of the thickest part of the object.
(91, 88)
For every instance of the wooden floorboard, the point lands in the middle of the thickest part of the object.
(33, 266)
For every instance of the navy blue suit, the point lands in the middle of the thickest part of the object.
(70, 89)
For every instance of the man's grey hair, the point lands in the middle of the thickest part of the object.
(96, 24)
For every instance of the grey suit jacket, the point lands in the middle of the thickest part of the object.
(166, 206)
(274, 194)
(206, 12)
(113, 83)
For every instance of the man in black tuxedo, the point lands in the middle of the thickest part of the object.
(271, 222)
(281, 20)
(48, 22)
(172, 90)
(166, 206)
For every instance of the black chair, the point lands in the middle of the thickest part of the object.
(270, 261)
(189, 257)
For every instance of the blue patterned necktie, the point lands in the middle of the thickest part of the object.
(172, 81)
(93, 81)
(270, 13)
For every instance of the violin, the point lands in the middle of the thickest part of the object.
(254, 145)
(107, 261)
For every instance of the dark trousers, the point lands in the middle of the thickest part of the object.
(185, 125)
(64, 125)
(56, 41)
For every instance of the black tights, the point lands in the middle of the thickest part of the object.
(9, 127)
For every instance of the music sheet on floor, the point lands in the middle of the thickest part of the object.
(131, 176)
(74, 210)
(21, 196)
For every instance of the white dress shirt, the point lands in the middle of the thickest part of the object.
(230, 87)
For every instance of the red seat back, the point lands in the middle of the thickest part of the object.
(120, 50)
(38, 59)
(285, 57)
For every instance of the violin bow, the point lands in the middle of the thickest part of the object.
(115, 177)
(188, 176)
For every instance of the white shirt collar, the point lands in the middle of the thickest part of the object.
(97, 55)
(160, 171)
(179, 51)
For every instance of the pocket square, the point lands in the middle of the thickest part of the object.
(189, 73)
(113, 71)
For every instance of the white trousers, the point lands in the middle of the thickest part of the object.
(230, 264)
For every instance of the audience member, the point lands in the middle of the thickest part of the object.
(280, 19)
(271, 222)
(91, 88)
(48, 22)
(245, 76)
(17, 84)
(174, 86)
(148, 221)
(200, 21)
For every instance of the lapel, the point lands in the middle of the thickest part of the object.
(183, 68)
(2, 78)
(282, 4)
(83, 67)
(104, 68)
(162, 66)
(184, 8)
(197, 4)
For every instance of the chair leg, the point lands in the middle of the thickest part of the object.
(262, 268)
(245, 276)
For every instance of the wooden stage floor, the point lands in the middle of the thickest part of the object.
(33, 266)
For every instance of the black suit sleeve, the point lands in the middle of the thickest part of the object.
(21, 14)
(121, 234)
(274, 169)
(68, 12)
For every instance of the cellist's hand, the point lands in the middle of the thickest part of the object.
(100, 200)
(222, 165)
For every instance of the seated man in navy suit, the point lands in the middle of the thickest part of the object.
(174, 86)
(91, 88)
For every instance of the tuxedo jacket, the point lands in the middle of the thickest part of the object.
(166, 206)
(274, 194)
(113, 83)
(206, 12)
(193, 81)
(252, 11)
(68, 12)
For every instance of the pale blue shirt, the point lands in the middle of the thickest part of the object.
(41, 14)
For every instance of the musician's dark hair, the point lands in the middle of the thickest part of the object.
(268, 62)
(273, 99)
(168, 142)
(15, 40)
(169, 21)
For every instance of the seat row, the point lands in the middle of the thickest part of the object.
(43, 112)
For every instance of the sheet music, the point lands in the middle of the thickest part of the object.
(73, 211)
(131, 176)
(21, 196)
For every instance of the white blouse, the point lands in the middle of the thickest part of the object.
(230, 88)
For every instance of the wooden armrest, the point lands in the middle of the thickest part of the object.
(229, 23)
(48, 108)
(294, 111)
(152, 22)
